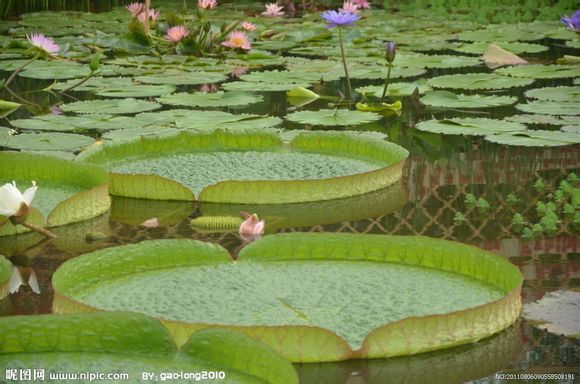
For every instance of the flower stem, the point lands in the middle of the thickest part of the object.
(84, 80)
(40, 230)
(17, 71)
(386, 83)
(348, 87)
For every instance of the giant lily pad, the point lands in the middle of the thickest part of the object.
(5, 273)
(396, 89)
(215, 99)
(470, 126)
(250, 166)
(311, 297)
(478, 81)
(131, 344)
(333, 117)
(111, 106)
(67, 192)
(446, 99)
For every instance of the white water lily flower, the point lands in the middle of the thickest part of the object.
(14, 203)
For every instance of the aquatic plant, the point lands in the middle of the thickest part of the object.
(252, 227)
(573, 21)
(237, 40)
(390, 52)
(349, 6)
(341, 19)
(177, 33)
(206, 4)
(272, 276)
(15, 206)
(247, 26)
(273, 10)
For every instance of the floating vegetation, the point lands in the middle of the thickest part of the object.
(446, 99)
(290, 263)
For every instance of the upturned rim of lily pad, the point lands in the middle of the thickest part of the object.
(309, 343)
(344, 144)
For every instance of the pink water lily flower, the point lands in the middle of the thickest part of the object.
(273, 10)
(135, 8)
(362, 4)
(176, 34)
(252, 226)
(153, 15)
(349, 6)
(151, 223)
(246, 25)
(43, 43)
(207, 4)
(237, 40)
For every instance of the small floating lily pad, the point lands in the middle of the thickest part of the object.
(136, 90)
(111, 106)
(131, 343)
(311, 297)
(396, 89)
(333, 117)
(175, 77)
(215, 99)
(470, 126)
(289, 77)
(539, 71)
(555, 94)
(556, 312)
(536, 138)
(49, 141)
(551, 107)
(446, 99)
(478, 81)
(208, 120)
(536, 119)
(499, 34)
(250, 166)
(514, 47)
(260, 86)
(95, 83)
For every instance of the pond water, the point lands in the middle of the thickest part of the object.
(432, 200)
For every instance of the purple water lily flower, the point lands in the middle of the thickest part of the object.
(339, 19)
(573, 22)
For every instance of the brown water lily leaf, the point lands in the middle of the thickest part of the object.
(557, 312)
(495, 56)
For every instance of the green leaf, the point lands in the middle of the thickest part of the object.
(509, 33)
(301, 92)
(7, 107)
(95, 83)
(259, 86)
(551, 107)
(555, 94)
(289, 77)
(536, 138)
(215, 99)
(111, 106)
(250, 166)
(49, 141)
(536, 119)
(469, 126)
(333, 117)
(175, 77)
(136, 90)
(477, 81)
(446, 99)
(131, 343)
(514, 47)
(209, 120)
(538, 71)
(396, 89)
(5, 274)
(268, 293)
